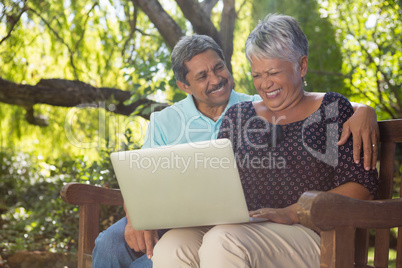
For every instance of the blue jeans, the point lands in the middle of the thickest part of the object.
(112, 251)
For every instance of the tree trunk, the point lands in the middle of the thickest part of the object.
(227, 30)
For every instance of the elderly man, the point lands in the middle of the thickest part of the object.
(199, 67)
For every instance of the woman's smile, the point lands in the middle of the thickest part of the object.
(273, 94)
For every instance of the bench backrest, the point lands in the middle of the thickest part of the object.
(390, 136)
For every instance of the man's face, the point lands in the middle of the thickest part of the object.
(210, 82)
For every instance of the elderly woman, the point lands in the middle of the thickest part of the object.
(293, 135)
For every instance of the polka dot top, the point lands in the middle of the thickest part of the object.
(278, 163)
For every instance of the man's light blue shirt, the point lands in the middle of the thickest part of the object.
(184, 123)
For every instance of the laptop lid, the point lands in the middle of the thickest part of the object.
(183, 185)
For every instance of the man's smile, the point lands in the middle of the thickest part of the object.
(219, 87)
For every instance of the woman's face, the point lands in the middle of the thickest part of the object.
(278, 82)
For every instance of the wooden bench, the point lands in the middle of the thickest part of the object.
(343, 222)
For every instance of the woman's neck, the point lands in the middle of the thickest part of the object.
(290, 109)
(305, 105)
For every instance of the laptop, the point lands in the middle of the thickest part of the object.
(184, 185)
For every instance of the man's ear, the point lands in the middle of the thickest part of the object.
(303, 66)
(183, 87)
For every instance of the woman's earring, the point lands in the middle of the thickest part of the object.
(305, 82)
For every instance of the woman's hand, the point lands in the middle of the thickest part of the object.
(286, 215)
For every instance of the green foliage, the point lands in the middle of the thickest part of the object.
(33, 216)
(91, 41)
(370, 33)
(355, 48)
(325, 58)
(86, 40)
(152, 77)
(240, 67)
(106, 43)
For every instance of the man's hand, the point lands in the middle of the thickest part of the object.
(364, 128)
(140, 240)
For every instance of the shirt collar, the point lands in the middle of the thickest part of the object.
(189, 107)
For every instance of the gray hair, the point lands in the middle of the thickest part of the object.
(277, 37)
(187, 48)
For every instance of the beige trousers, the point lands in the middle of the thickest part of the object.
(256, 245)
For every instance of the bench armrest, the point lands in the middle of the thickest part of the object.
(89, 198)
(326, 211)
(82, 194)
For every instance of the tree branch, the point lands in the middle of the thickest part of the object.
(377, 103)
(241, 6)
(200, 21)
(38, 120)
(67, 93)
(208, 5)
(14, 21)
(378, 70)
(85, 23)
(133, 28)
(167, 27)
